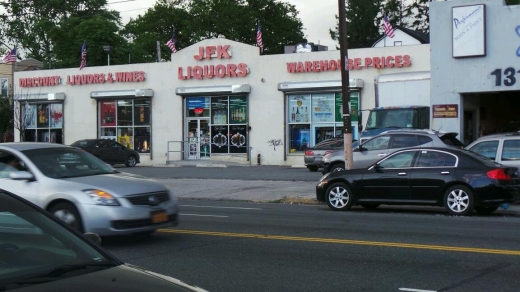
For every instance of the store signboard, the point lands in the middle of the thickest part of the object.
(396, 61)
(469, 30)
(445, 111)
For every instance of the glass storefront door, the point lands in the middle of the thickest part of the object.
(198, 139)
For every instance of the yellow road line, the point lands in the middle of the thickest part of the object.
(346, 241)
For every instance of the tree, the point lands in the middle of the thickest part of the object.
(362, 25)
(97, 31)
(418, 15)
(157, 25)
(28, 24)
(6, 116)
(235, 20)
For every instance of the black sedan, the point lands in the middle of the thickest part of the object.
(39, 252)
(459, 180)
(109, 151)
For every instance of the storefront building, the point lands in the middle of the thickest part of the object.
(217, 99)
(475, 71)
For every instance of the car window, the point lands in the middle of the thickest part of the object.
(377, 143)
(101, 143)
(424, 139)
(511, 150)
(435, 159)
(10, 163)
(487, 149)
(402, 141)
(82, 143)
(399, 160)
(33, 244)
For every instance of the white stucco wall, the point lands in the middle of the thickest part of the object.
(454, 76)
(266, 103)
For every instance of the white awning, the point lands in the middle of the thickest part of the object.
(40, 96)
(317, 85)
(218, 89)
(125, 93)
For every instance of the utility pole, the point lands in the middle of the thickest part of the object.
(345, 82)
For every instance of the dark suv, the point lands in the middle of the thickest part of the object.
(388, 142)
(109, 151)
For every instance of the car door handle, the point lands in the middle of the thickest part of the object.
(401, 173)
(381, 154)
(445, 172)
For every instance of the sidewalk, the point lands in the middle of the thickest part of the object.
(213, 163)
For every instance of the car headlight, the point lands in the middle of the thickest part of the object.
(325, 176)
(101, 197)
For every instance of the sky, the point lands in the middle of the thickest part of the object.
(317, 16)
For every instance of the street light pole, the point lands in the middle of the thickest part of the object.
(345, 82)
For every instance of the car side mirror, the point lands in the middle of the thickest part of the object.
(21, 175)
(93, 238)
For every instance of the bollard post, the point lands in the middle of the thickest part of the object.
(258, 159)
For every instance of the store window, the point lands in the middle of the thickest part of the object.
(228, 118)
(4, 85)
(313, 118)
(43, 122)
(127, 122)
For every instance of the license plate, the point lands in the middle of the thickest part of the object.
(159, 216)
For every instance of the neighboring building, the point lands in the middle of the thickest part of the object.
(213, 101)
(475, 66)
(6, 73)
(403, 37)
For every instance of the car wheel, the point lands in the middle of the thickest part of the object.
(369, 206)
(131, 161)
(339, 197)
(68, 213)
(312, 168)
(458, 200)
(337, 167)
(485, 210)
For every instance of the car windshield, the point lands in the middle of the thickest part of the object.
(481, 158)
(35, 248)
(398, 118)
(67, 162)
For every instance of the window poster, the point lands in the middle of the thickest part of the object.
(237, 110)
(299, 108)
(197, 106)
(219, 110)
(353, 106)
(124, 112)
(29, 117)
(323, 107)
(300, 137)
(141, 112)
(238, 139)
(142, 139)
(108, 113)
(43, 116)
(56, 118)
(219, 140)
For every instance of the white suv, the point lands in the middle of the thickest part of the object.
(386, 143)
(502, 148)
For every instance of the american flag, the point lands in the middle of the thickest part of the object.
(259, 37)
(389, 30)
(171, 43)
(83, 56)
(11, 56)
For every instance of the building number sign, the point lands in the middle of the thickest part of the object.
(508, 78)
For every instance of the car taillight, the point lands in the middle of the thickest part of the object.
(309, 153)
(327, 152)
(498, 174)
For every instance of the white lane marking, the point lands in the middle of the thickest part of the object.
(415, 290)
(220, 207)
(202, 215)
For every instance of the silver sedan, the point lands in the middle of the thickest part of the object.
(85, 192)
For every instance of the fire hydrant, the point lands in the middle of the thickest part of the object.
(258, 159)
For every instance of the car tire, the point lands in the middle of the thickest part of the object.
(131, 161)
(339, 166)
(458, 200)
(339, 197)
(312, 168)
(369, 205)
(486, 210)
(69, 214)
